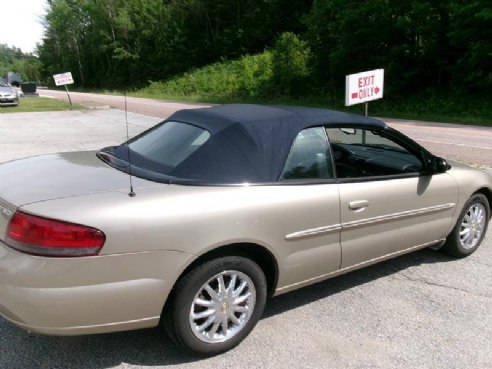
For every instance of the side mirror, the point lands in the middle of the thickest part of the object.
(438, 165)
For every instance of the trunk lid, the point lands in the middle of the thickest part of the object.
(55, 176)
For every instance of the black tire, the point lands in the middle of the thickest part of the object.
(177, 314)
(454, 245)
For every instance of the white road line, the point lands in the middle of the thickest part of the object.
(456, 144)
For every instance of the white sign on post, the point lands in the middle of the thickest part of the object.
(63, 79)
(363, 87)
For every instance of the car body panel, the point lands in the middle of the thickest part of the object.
(6, 212)
(469, 180)
(86, 295)
(399, 214)
(47, 177)
(168, 217)
(214, 218)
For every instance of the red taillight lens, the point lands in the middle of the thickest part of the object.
(48, 237)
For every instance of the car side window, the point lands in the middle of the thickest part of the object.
(367, 153)
(309, 156)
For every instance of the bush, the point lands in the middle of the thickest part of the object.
(291, 60)
(284, 71)
(248, 76)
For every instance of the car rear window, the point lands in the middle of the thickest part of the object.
(167, 145)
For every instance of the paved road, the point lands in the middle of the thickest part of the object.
(150, 107)
(422, 310)
(469, 144)
(27, 134)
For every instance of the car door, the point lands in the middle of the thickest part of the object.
(311, 245)
(387, 204)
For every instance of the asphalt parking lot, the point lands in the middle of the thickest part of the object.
(421, 310)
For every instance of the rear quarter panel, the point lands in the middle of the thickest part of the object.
(194, 220)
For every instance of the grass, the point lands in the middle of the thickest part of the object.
(436, 106)
(246, 78)
(37, 104)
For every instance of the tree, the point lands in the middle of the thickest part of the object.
(421, 44)
(291, 60)
(408, 39)
(470, 34)
(13, 59)
(109, 43)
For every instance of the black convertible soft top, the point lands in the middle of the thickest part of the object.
(252, 117)
(250, 143)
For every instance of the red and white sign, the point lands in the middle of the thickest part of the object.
(365, 86)
(63, 79)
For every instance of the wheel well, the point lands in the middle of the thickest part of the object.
(487, 192)
(259, 254)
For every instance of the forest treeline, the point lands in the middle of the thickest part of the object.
(13, 59)
(422, 45)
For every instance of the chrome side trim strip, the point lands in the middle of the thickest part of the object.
(313, 232)
(394, 216)
(367, 221)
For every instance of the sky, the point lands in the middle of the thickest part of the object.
(20, 25)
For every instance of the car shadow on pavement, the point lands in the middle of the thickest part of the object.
(152, 347)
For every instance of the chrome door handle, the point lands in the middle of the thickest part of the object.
(359, 205)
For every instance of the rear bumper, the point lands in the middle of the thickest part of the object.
(72, 296)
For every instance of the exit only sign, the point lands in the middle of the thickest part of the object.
(363, 87)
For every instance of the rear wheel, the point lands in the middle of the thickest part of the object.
(216, 305)
(470, 229)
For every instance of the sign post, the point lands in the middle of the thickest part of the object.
(364, 87)
(64, 79)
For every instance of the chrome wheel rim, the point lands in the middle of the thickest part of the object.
(222, 307)
(472, 226)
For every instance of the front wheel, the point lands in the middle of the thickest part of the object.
(469, 231)
(216, 305)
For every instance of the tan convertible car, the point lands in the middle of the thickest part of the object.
(227, 205)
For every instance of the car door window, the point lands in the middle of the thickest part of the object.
(309, 156)
(367, 153)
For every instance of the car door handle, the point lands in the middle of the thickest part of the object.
(359, 205)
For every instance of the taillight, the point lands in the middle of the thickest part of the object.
(47, 237)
